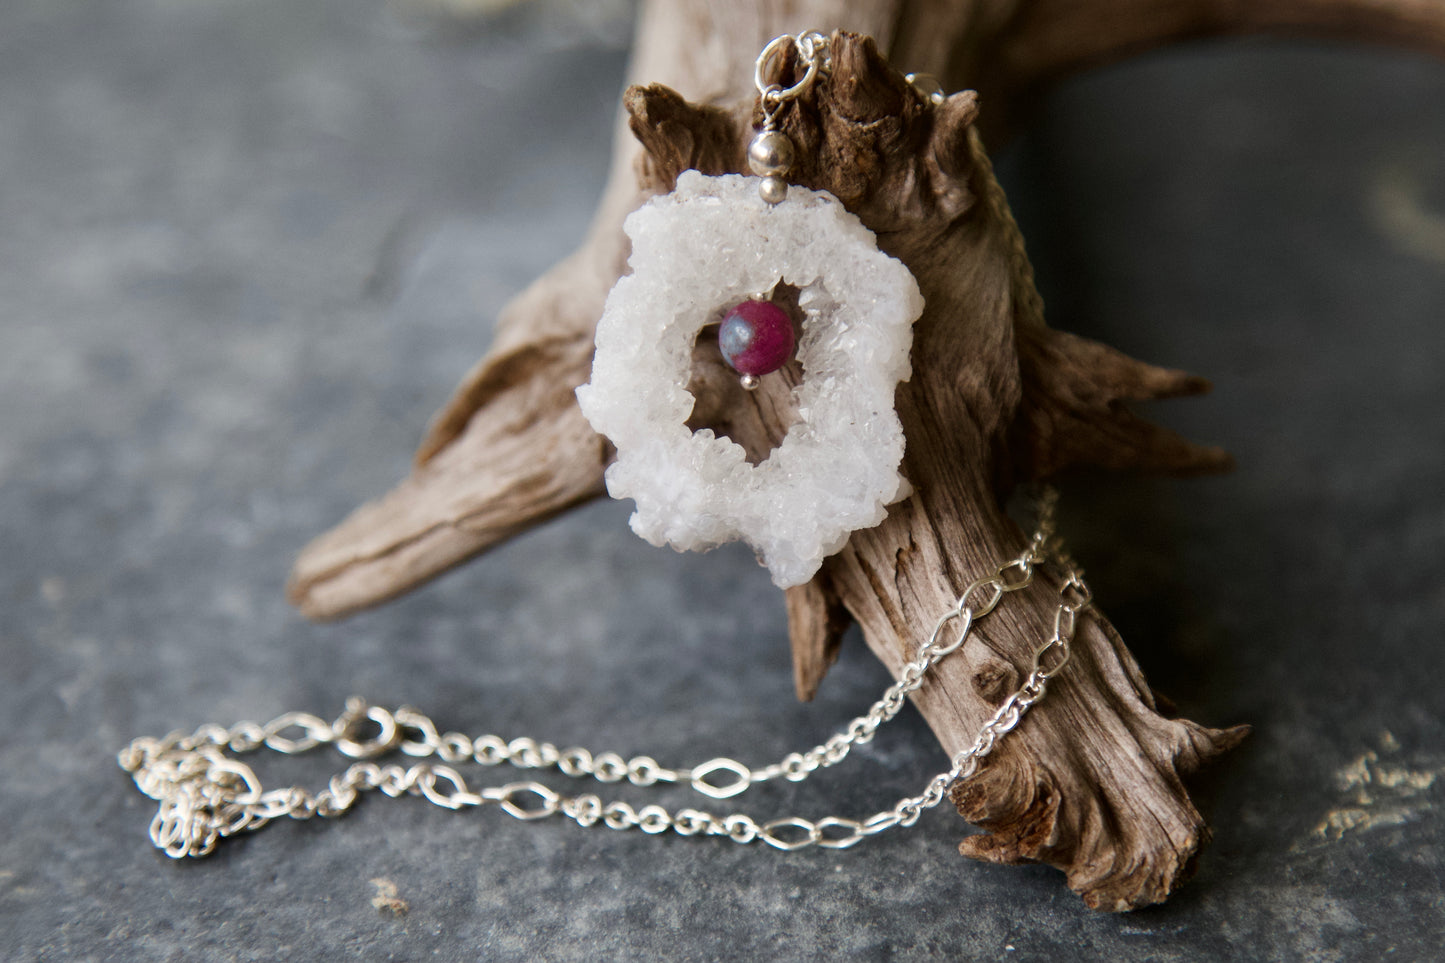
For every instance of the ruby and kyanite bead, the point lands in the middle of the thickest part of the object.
(756, 338)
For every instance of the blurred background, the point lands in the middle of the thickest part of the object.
(246, 250)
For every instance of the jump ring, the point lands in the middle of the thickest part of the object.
(764, 62)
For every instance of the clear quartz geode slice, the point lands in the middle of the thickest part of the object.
(709, 244)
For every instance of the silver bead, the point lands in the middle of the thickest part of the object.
(771, 152)
(749, 382)
(773, 190)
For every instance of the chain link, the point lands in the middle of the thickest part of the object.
(206, 795)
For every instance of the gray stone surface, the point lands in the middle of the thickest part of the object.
(246, 248)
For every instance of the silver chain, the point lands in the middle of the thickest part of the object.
(206, 794)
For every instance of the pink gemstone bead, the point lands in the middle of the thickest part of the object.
(756, 338)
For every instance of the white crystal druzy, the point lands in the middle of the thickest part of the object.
(709, 244)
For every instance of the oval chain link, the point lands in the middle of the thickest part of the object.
(206, 795)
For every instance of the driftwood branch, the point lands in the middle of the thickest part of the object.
(1092, 783)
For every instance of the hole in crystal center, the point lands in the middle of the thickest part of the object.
(756, 420)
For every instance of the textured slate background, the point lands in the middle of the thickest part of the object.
(246, 248)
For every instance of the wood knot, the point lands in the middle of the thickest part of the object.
(992, 678)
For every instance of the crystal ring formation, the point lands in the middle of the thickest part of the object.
(710, 244)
